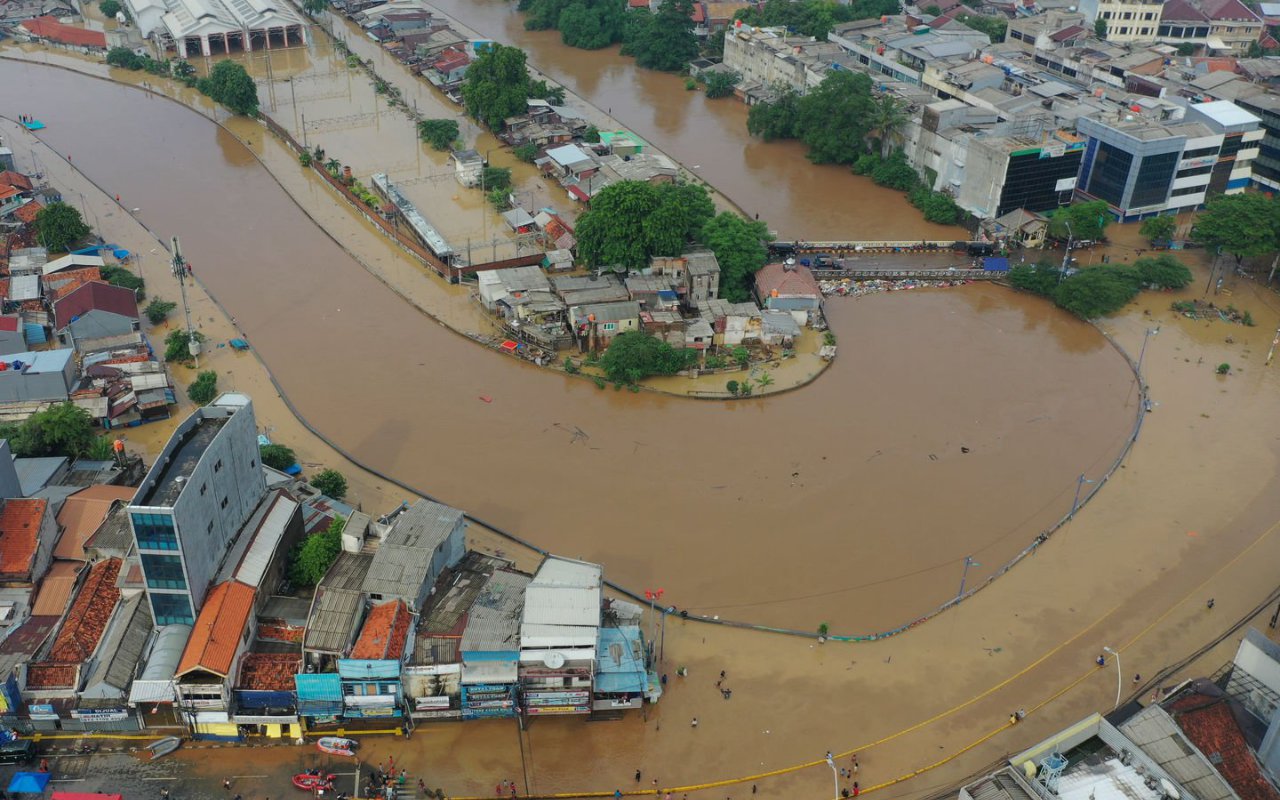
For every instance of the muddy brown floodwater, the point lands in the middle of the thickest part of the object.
(849, 501)
(798, 199)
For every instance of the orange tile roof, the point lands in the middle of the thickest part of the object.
(7, 191)
(56, 588)
(50, 28)
(81, 515)
(217, 632)
(19, 536)
(52, 676)
(384, 633)
(27, 214)
(61, 284)
(15, 179)
(269, 671)
(87, 619)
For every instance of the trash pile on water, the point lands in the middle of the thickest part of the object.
(848, 287)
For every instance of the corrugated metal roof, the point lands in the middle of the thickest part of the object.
(1159, 736)
(24, 287)
(122, 649)
(56, 588)
(333, 619)
(494, 620)
(403, 560)
(165, 653)
(557, 636)
(266, 539)
(564, 592)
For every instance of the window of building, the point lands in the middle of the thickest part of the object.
(155, 532)
(171, 609)
(253, 462)
(210, 528)
(203, 487)
(1154, 176)
(1186, 190)
(217, 467)
(1127, 15)
(1199, 152)
(1190, 173)
(163, 572)
(1110, 173)
(224, 502)
(1124, 30)
(1232, 144)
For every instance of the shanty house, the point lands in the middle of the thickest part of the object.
(371, 674)
(109, 674)
(424, 539)
(521, 293)
(603, 321)
(219, 638)
(732, 323)
(696, 274)
(788, 287)
(468, 167)
(12, 339)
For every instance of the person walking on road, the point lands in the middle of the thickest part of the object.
(637, 776)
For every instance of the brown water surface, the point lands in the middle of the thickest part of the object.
(850, 501)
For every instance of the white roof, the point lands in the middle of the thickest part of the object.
(70, 261)
(192, 17)
(266, 540)
(568, 653)
(1226, 113)
(24, 287)
(490, 671)
(1269, 9)
(564, 592)
(541, 637)
(567, 154)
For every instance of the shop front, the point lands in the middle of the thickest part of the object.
(433, 691)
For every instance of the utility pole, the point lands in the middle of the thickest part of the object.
(180, 272)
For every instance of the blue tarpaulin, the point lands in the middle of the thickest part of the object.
(29, 783)
(995, 264)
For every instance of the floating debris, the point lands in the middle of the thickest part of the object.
(848, 287)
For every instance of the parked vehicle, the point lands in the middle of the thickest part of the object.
(19, 751)
(336, 745)
(164, 747)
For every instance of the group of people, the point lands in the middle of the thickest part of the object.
(504, 787)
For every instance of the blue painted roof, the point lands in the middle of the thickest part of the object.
(620, 660)
(995, 264)
(327, 686)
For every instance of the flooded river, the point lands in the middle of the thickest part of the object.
(851, 501)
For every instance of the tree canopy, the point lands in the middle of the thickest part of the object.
(331, 482)
(61, 430)
(814, 17)
(834, 119)
(497, 85)
(1163, 272)
(313, 556)
(1080, 221)
(58, 226)
(739, 245)
(591, 24)
(109, 8)
(629, 222)
(635, 355)
(720, 84)
(1158, 229)
(663, 41)
(229, 84)
(994, 27)
(277, 456)
(439, 133)
(204, 388)
(776, 120)
(1097, 291)
(1041, 278)
(1245, 225)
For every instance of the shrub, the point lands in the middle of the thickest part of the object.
(119, 276)
(109, 8)
(176, 345)
(313, 556)
(1223, 368)
(331, 482)
(1097, 291)
(732, 386)
(439, 133)
(204, 388)
(1163, 272)
(635, 355)
(570, 367)
(720, 84)
(277, 456)
(157, 310)
(1042, 278)
(526, 152)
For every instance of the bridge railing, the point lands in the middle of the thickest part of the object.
(942, 274)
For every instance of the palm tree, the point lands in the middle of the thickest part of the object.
(333, 165)
(888, 118)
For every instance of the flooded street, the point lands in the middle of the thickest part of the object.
(711, 490)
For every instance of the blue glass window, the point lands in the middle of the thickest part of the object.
(163, 572)
(171, 609)
(155, 532)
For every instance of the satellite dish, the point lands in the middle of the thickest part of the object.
(556, 661)
(1170, 791)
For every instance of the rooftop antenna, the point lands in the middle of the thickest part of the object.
(180, 271)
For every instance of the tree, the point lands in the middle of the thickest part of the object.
(591, 135)
(814, 17)
(664, 41)
(1158, 229)
(64, 429)
(776, 120)
(439, 133)
(331, 482)
(119, 276)
(739, 245)
(177, 345)
(1080, 221)
(183, 69)
(833, 119)
(629, 222)
(1097, 291)
(204, 388)
(313, 7)
(109, 8)
(496, 179)
(938, 207)
(895, 173)
(993, 27)
(1163, 272)
(1186, 49)
(158, 310)
(888, 117)
(527, 152)
(277, 456)
(635, 355)
(497, 85)
(720, 84)
(313, 556)
(591, 24)
(1042, 278)
(124, 57)
(58, 226)
(229, 84)
(1244, 225)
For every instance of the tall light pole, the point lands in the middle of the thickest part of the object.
(1066, 257)
(1080, 482)
(1118, 674)
(835, 776)
(180, 272)
(968, 562)
(1150, 332)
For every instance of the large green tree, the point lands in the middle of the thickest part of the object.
(313, 556)
(994, 27)
(331, 482)
(739, 245)
(61, 430)
(1163, 272)
(58, 226)
(277, 456)
(888, 118)
(631, 221)
(1097, 291)
(834, 119)
(1158, 229)
(439, 133)
(776, 120)
(1245, 225)
(497, 85)
(229, 84)
(663, 41)
(635, 355)
(592, 24)
(1080, 221)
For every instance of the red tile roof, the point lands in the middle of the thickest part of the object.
(1068, 33)
(27, 214)
(269, 671)
(50, 28)
(1210, 725)
(19, 536)
(63, 283)
(1181, 11)
(87, 619)
(699, 13)
(8, 191)
(15, 179)
(385, 632)
(52, 676)
(1228, 10)
(792, 281)
(217, 632)
(81, 515)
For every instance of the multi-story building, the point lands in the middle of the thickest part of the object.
(1142, 167)
(769, 58)
(559, 632)
(900, 46)
(1226, 26)
(192, 504)
(1127, 21)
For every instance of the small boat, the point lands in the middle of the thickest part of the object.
(164, 747)
(310, 783)
(336, 745)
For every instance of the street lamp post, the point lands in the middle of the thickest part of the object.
(968, 562)
(835, 776)
(1080, 482)
(1141, 353)
(1066, 257)
(1119, 679)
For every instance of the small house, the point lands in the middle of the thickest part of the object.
(696, 275)
(668, 326)
(733, 323)
(778, 328)
(698, 334)
(505, 291)
(788, 287)
(451, 64)
(12, 339)
(578, 290)
(468, 167)
(569, 160)
(603, 321)
(371, 674)
(622, 143)
(559, 633)
(558, 260)
(1019, 227)
(653, 292)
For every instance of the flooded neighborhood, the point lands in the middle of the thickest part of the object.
(587, 442)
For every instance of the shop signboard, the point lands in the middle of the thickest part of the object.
(100, 714)
(429, 703)
(42, 711)
(546, 710)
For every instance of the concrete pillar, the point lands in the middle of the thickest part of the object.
(226, 43)
(267, 34)
(204, 45)
(248, 41)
